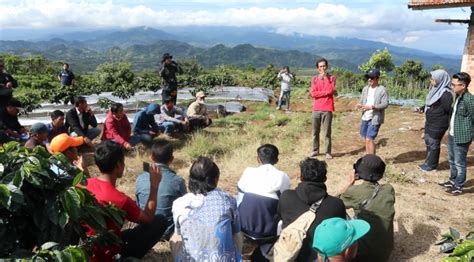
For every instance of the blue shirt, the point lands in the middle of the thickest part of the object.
(171, 187)
(66, 77)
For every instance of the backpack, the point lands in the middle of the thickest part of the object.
(288, 245)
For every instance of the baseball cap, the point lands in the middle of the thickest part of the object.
(39, 128)
(334, 235)
(373, 73)
(370, 168)
(62, 142)
(200, 94)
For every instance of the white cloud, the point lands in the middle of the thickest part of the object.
(373, 21)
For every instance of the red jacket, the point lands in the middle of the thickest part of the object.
(322, 92)
(118, 130)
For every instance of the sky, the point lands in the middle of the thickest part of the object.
(388, 21)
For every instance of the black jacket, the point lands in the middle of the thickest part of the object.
(294, 203)
(73, 123)
(9, 122)
(168, 75)
(438, 115)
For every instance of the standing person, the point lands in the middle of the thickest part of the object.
(322, 91)
(373, 102)
(286, 79)
(66, 77)
(80, 117)
(311, 189)
(168, 71)
(118, 128)
(197, 112)
(207, 217)
(461, 132)
(437, 110)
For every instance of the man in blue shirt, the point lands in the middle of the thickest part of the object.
(66, 77)
(171, 187)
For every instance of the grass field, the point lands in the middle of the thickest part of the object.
(423, 210)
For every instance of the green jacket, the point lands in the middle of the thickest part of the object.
(464, 119)
(379, 213)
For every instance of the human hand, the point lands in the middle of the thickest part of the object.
(127, 146)
(155, 176)
(79, 163)
(351, 178)
(153, 133)
(9, 85)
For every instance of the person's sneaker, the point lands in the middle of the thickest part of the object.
(328, 156)
(314, 154)
(454, 191)
(447, 184)
(288, 111)
(425, 168)
(278, 108)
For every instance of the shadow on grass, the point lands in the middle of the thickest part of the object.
(409, 157)
(380, 143)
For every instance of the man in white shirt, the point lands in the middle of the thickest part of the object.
(373, 102)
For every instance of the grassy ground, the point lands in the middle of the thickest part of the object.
(423, 210)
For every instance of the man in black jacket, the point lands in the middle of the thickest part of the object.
(294, 203)
(10, 127)
(168, 71)
(79, 118)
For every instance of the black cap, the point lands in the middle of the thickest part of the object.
(373, 73)
(166, 56)
(370, 168)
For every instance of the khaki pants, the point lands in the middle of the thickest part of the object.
(322, 119)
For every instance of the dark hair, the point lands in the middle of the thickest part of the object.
(107, 155)
(116, 107)
(56, 114)
(287, 69)
(463, 77)
(203, 175)
(162, 152)
(268, 154)
(322, 60)
(79, 100)
(313, 170)
(167, 99)
(65, 64)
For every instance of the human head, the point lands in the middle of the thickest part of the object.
(203, 176)
(440, 78)
(313, 170)
(110, 158)
(337, 237)
(65, 66)
(81, 103)
(57, 118)
(169, 103)
(286, 69)
(268, 154)
(200, 97)
(322, 65)
(167, 58)
(117, 110)
(12, 107)
(373, 77)
(370, 168)
(63, 143)
(40, 131)
(460, 82)
(152, 109)
(162, 152)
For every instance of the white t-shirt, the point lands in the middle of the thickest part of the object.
(451, 122)
(264, 180)
(370, 102)
(285, 81)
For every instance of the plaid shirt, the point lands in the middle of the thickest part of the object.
(464, 119)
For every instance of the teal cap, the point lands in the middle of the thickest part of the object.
(334, 235)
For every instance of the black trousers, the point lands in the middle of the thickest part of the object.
(433, 148)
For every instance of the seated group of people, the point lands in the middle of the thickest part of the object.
(212, 225)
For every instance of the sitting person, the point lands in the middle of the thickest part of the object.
(67, 145)
(207, 217)
(110, 159)
(56, 126)
(373, 203)
(118, 128)
(197, 112)
(39, 136)
(9, 124)
(144, 124)
(293, 203)
(335, 239)
(79, 118)
(171, 187)
(172, 118)
(259, 190)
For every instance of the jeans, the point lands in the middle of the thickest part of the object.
(140, 239)
(457, 154)
(433, 147)
(285, 94)
(92, 133)
(324, 119)
(169, 127)
(369, 131)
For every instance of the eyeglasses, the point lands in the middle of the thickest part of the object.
(454, 85)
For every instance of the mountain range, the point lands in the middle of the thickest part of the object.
(143, 47)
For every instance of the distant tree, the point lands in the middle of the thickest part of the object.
(117, 78)
(268, 77)
(412, 70)
(191, 70)
(381, 60)
(436, 67)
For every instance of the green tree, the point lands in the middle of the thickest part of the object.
(117, 78)
(381, 60)
(436, 67)
(412, 71)
(268, 77)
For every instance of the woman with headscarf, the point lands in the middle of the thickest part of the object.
(437, 111)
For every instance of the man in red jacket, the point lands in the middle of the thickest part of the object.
(322, 91)
(118, 128)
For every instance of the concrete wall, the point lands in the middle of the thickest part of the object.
(468, 56)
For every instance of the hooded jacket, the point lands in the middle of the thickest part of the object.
(144, 121)
(294, 203)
